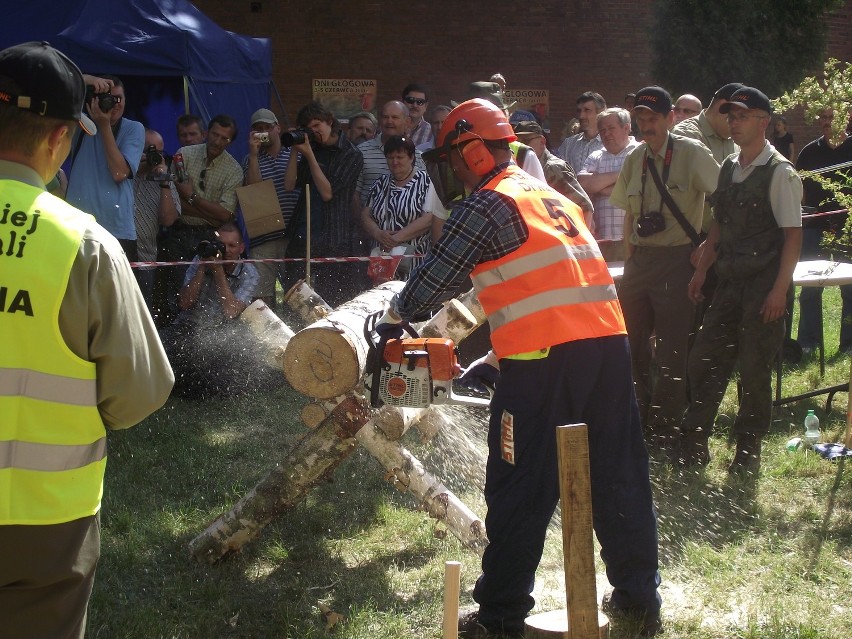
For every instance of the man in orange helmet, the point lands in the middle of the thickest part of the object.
(560, 357)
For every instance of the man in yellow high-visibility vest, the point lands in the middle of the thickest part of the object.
(80, 353)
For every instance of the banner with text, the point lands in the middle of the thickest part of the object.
(345, 97)
(536, 101)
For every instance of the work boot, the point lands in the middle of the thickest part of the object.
(747, 456)
(649, 623)
(693, 450)
(470, 628)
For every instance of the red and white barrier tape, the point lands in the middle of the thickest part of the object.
(272, 260)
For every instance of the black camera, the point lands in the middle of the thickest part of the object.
(153, 156)
(650, 223)
(105, 100)
(297, 136)
(210, 248)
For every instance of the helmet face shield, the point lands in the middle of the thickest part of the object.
(475, 119)
(449, 188)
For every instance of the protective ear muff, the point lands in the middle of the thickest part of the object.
(477, 157)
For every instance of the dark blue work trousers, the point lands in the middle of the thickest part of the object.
(586, 381)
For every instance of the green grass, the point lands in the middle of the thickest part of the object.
(764, 560)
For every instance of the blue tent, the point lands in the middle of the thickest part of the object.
(171, 57)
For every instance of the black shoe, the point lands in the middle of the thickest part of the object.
(649, 623)
(693, 450)
(470, 628)
(747, 457)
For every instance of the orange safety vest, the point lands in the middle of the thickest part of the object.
(556, 287)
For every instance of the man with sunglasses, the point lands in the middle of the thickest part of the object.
(103, 165)
(208, 197)
(416, 98)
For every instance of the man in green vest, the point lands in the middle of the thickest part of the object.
(754, 240)
(80, 354)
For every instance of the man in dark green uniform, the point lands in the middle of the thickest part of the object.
(754, 240)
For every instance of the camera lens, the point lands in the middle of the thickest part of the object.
(293, 137)
(106, 102)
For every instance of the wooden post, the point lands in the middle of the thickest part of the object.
(847, 441)
(452, 585)
(581, 620)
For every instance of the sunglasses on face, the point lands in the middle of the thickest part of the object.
(418, 101)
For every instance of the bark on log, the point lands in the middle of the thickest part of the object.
(436, 499)
(307, 302)
(272, 333)
(313, 457)
(328, 358)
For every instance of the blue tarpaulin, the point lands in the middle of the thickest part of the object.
(166, 52)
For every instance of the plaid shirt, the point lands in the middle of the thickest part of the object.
(609, 219)
(484, 226)
(221, 178)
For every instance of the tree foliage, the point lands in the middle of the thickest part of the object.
(699, 46)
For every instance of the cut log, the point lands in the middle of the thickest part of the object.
(313, 457)
(437, 500)
(272, 333)
(454, 321)
(307, 302)
(328, 358)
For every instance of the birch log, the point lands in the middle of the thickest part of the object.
(328, 358)
(313, 457)
(436, 499)
(272, 333)
(307, 302)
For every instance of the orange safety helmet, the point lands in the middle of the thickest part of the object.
(475, 119)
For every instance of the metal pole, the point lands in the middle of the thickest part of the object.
(308, 235)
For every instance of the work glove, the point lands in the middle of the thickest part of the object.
(482, 375)
(390, 326)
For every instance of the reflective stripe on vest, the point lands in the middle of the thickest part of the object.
(555, 287)
(47, 388)
(52, 438)
(50, 457)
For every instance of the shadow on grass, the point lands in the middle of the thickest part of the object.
(169, 477)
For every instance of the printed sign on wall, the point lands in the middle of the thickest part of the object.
(345, 97)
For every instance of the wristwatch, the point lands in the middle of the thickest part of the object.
(191, 199)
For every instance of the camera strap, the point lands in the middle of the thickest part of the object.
(668, 200)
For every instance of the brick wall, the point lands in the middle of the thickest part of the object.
(565, 46)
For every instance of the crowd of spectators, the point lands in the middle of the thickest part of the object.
(364, 189)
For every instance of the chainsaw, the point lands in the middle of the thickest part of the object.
(415, 372)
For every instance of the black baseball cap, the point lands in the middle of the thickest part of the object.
(748, 98)
(655, 98)
(36, 77)
(725, 92)
(527, 127)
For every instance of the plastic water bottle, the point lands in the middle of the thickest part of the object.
(811, 429)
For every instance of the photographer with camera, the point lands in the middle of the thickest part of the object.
(206, 348)
(661, 187)
(103, 165)
(329, 167)
(268, 159)
(156, 205)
